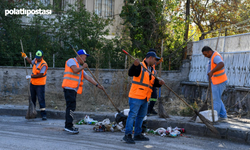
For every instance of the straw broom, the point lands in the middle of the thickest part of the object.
(31, 112)
(202, 118)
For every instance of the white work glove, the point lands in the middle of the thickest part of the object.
(28, 77)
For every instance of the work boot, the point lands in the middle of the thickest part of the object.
(153, 112)
(44, 118)
(43, 114)
(140, 137)
(128, 139)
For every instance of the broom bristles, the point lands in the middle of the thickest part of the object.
(208, 123)
(161, 111)
(31, 112)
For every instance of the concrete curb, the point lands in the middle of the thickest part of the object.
(154, 122)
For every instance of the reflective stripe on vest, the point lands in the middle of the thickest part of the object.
(220, 75)
(142, 85)
(141, 81)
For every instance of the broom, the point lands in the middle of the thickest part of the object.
(97, 82)
(202, 118)
(31, 112)
(161, 111)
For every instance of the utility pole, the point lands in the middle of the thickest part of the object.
(186, 28)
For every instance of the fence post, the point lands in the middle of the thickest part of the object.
(53, 60)
(31, 60)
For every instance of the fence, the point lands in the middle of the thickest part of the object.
(235, 51)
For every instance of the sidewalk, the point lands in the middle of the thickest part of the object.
(234, 129)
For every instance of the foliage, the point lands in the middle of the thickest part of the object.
(209, 16)
(148, 22)
(145, 23)
(188, 111)
(54, 33)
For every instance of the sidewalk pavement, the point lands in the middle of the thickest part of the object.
(235, 129)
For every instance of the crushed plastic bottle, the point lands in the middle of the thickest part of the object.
(182, 130)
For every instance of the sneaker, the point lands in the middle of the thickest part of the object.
(140, 138)
(75, 128)
(222, 119)
(71, 130)
(154, 112)
(44, 118)
(128, 139)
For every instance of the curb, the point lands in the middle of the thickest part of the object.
(154, 122)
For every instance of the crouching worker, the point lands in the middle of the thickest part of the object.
(139, 95)
(72, 85)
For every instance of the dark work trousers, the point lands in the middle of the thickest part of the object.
(39, 92)
(70, 97)
(152, 100)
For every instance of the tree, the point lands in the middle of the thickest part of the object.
(208, 16)
(145, 23)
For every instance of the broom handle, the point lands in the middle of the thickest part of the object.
(211, 97)
(97, 82)
(25, 66)
(159, 79)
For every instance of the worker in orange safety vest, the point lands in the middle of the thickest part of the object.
(38, 80)
(216, 72)
(72, 85)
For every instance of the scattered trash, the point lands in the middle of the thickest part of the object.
(87, 120)
(167, 132)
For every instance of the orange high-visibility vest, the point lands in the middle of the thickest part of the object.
(220, 75)
(71, 79)
(36, 70)
(142, 86)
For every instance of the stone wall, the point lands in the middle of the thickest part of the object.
(13, 86)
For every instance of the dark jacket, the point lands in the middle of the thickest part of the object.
(136, 70)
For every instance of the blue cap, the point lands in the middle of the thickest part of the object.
(82, 52)
(153, 54)
(39, 54)
(152, 50)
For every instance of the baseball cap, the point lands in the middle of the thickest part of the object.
(82, 52)
(39, 54)
(152, 50)
(153, 54)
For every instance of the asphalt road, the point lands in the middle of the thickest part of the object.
(17, 133)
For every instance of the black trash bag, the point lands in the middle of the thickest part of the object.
(120, 117)
(144, 126)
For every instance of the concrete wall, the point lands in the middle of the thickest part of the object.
(235, 51)
(13, 85)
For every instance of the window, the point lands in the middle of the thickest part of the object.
(98, 7)
(108, 8)
(45, 2)
(104, 8)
